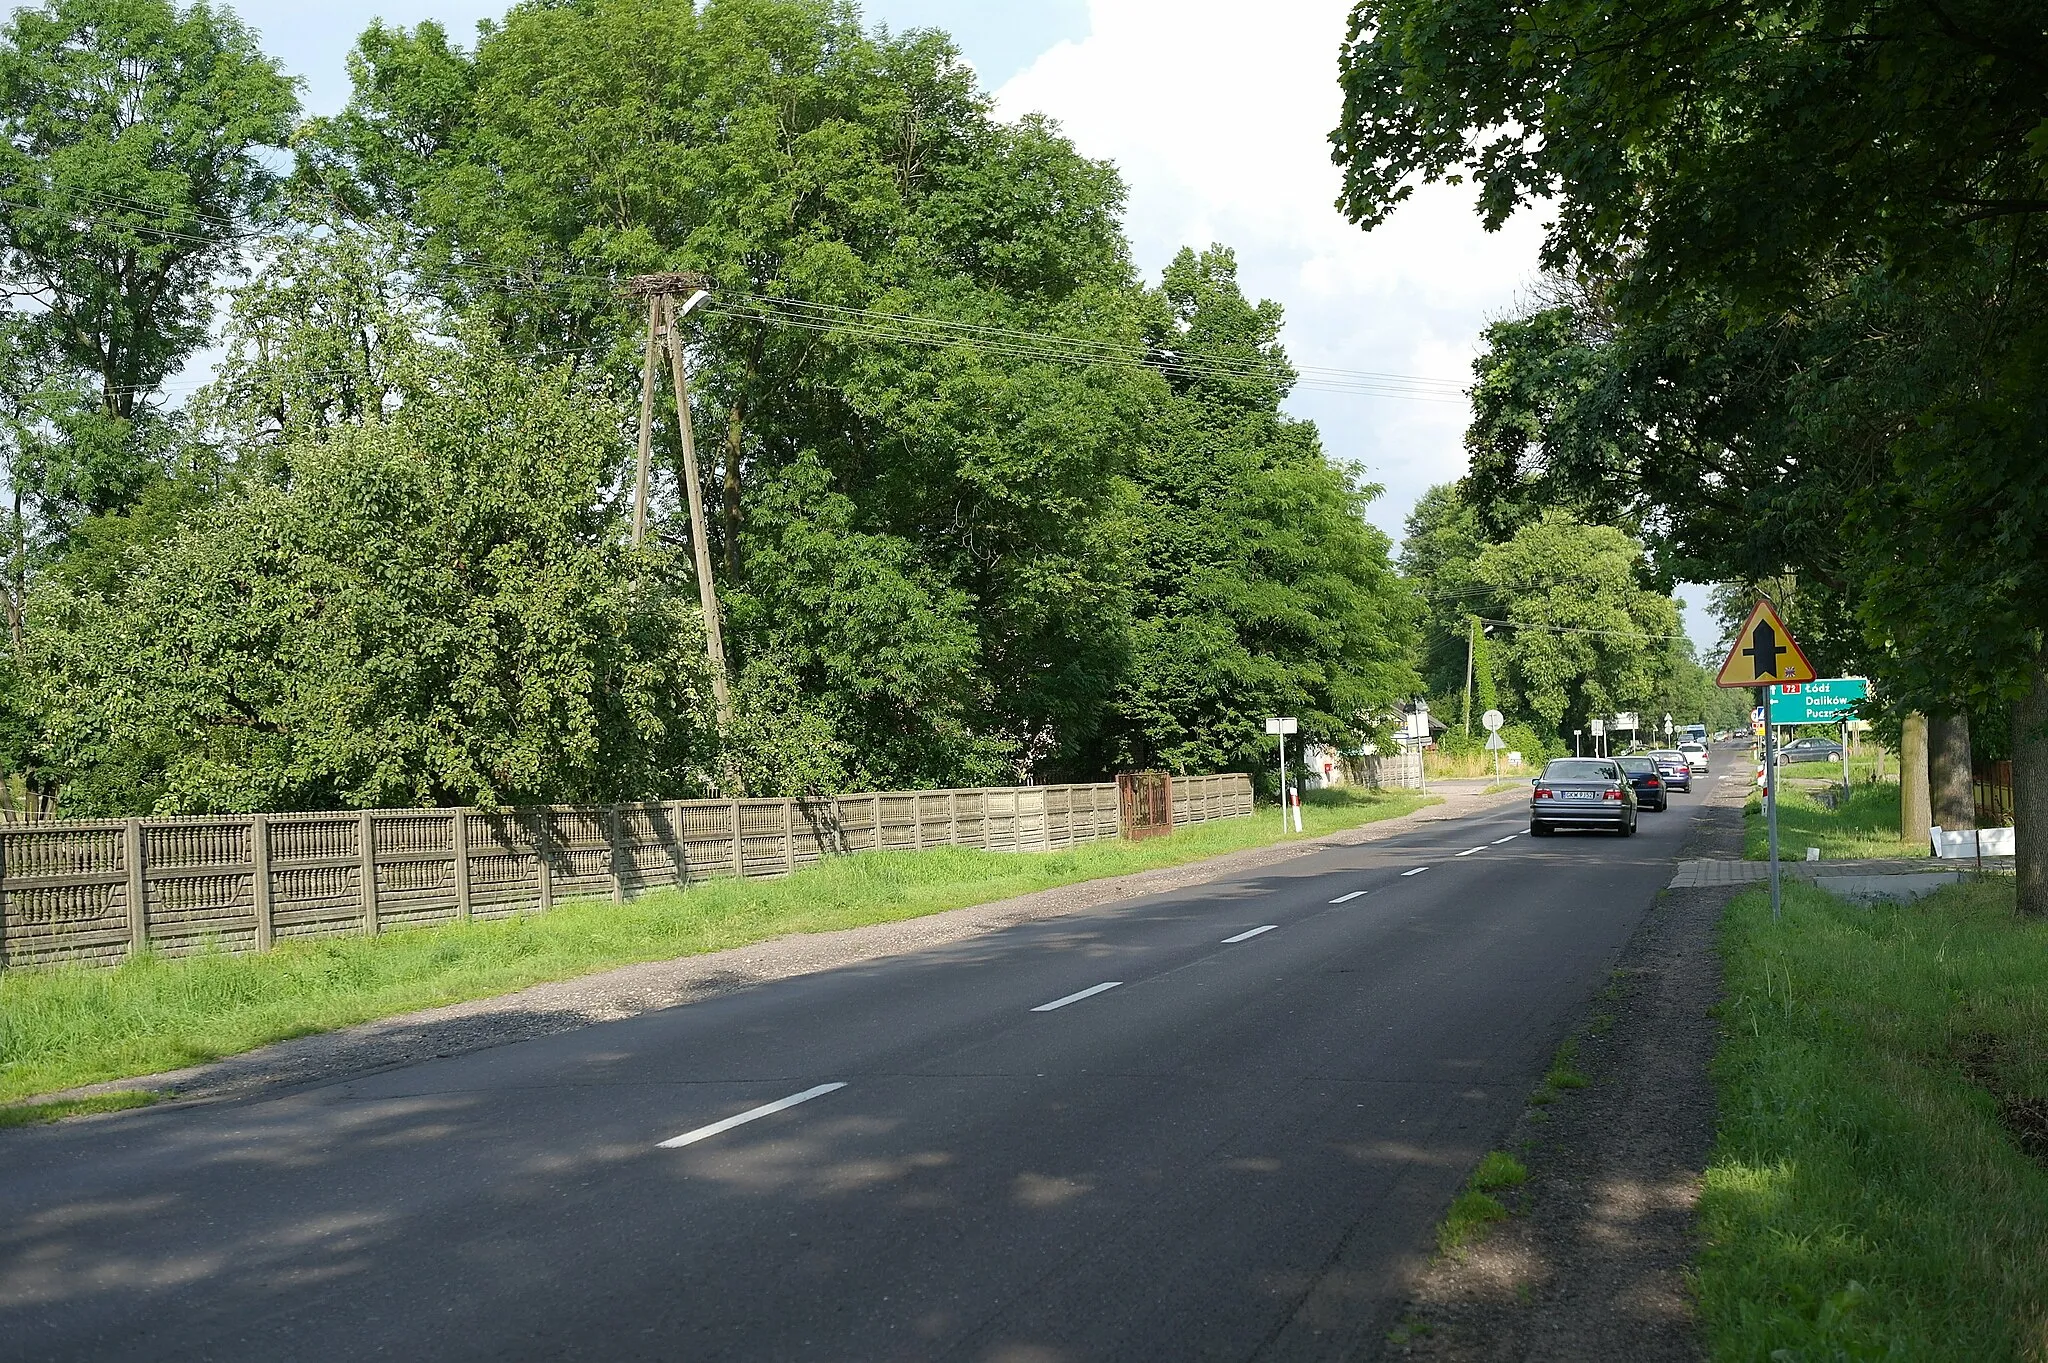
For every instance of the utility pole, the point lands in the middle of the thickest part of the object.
(1471, 647)
(663, 315)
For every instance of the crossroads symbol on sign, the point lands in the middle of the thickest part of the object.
(1764, 652)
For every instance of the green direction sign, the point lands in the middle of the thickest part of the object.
(1827, 701)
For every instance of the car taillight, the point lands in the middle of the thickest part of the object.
(1652, 782)
(1543, 794)
(1610, 795)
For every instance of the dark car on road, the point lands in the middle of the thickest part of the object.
(1644, 774)
(1675, 768)
(1582, 792)
(1810, 750)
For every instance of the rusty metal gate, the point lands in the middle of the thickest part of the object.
(1146, 801)
(1991, 785)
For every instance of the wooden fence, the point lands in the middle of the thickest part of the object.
(99, 890)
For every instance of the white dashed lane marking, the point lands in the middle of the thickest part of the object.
(750, 1115)
(1247, 936)
(1347, 898)
(1088, 993)
(1416, 872)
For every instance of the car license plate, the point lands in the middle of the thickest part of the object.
(1580, 795)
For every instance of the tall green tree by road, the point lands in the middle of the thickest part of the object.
(1585, 640)
(131, 172)
(1847, 196)
(1257, 586)
(437, 608)
(788, 153)
(132, 142)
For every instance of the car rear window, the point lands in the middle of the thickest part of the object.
(1581, 769)
(1640, 764)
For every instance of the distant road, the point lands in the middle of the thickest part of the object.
(1217, 1123)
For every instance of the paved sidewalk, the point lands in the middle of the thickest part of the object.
(1704, 873)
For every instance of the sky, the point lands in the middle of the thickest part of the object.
(1219, 126)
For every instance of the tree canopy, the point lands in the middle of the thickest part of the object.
(982, 503)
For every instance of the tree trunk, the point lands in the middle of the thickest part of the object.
(2030, 792)
(1914, 812)
(1948, 770)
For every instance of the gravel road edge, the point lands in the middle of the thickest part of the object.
(1592, 1266)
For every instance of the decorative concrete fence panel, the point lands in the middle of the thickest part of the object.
(99, 890)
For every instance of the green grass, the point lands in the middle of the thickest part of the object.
(1475, 1208)
(1866, 826)
(1562, 1075)
(32, 1114)
(1871, 1194)
(65, 1026)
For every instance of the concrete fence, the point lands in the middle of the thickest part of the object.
(98, 890)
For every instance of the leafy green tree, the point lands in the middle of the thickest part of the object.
(1837, 207)
(436, 608)
(1257, 585)
(1585, 640)
(131, 169)
(1440, 549)
(780, 148)
(320, 336)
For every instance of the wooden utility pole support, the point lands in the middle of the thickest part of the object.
(660, 290)
(700, 539)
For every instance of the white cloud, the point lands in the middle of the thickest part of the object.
(1218, 116)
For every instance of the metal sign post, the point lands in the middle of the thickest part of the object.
(1771, 801)
(1280, 728)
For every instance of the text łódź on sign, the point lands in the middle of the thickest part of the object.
(1827, 701)
(1765, 653)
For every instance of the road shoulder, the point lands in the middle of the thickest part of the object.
(611, 995)
(1593, 1264)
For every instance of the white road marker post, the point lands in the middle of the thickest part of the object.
(1280, 727)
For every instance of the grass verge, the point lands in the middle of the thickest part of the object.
(62, 1027)
(1867, 825)
(1476, 1207)
(32, 1114)
(1879, 1186)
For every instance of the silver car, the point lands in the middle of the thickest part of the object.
(1582, 792)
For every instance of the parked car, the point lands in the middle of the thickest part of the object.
(1584, 793)
(1644, 774)
(1695, 755)
(1675, 768)
(1810, 750)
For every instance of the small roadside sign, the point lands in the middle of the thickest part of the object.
(1494, 742)
(1281, 726)
(1493, 719)
(1764, 652)
(1827, 701)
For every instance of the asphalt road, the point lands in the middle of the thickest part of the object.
(1233, 1153)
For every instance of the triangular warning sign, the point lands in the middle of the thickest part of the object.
(1764, 652)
